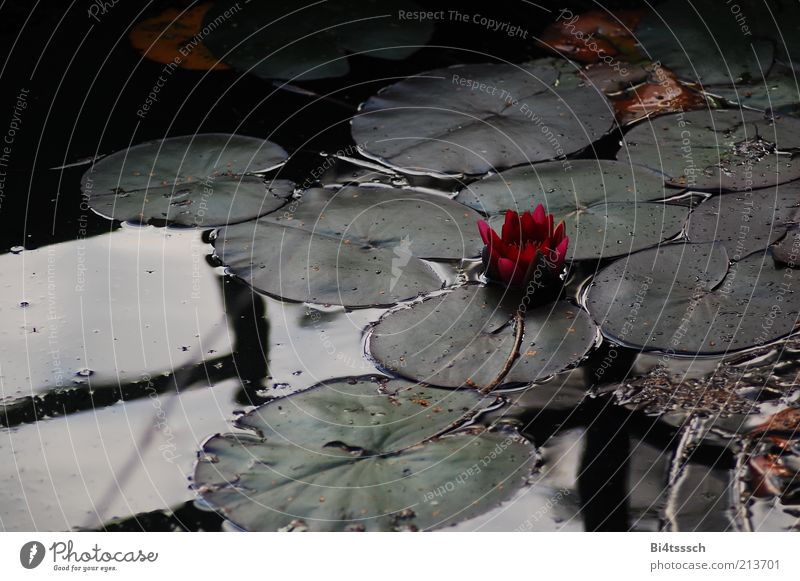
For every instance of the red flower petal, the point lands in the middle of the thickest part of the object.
(505, 270)
(493, 257)
(561, 253)
(540, 223)
(528, 253)
(559, 233)
(494, 241)
(528, 227)
(485, 230)
(511, 228)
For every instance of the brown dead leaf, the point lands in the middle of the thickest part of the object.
(172, 37)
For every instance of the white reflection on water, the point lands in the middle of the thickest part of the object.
(111, 308)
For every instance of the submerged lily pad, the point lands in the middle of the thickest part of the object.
(689, 299)
(350, 456)
(470, 119)
(747, 221)
(717, 149)
(281, 39)
(609, 208)
(703, 43)
(465, 337)
(193, 180)
(348, 247)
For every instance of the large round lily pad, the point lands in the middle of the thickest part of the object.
(282, 39)
(689, 299)
(703, 42)
(357, 246)
(746, 222)
(715, 150)
(193, 180)
(609, 208)
(474, 118)
(345, 456)
(465, 337)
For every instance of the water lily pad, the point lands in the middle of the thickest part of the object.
(348, 247)
(787, 251)
(717, 149)
(193, 180)
(465, 337)
(703, 43)
(777, 92)
(281, 39)
(474, 118)
(747, 221)
(609, 208)
(689, 299)
(345, 456)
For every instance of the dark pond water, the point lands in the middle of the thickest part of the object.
(123, 347)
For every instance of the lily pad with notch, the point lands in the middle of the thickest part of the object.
(716, 150)
(347, 247)
(470, 119)
(609, 208)
(689, 299)
(280, 39)
(746, 222)
(193, 180)
(466, 336)
(352, 456)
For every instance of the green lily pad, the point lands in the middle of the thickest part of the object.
(689, 299)
(777, 92)
(471, 119)
(281, 39)
(193, 180)
(609, 208)
(716, 150)
(703, 43)
(350, 456)
(746, 222)
(465, 337)
(348, 247)
(787, 251)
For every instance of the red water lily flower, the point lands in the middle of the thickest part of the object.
(528, 249)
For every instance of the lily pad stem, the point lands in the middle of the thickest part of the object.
(519, 331)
